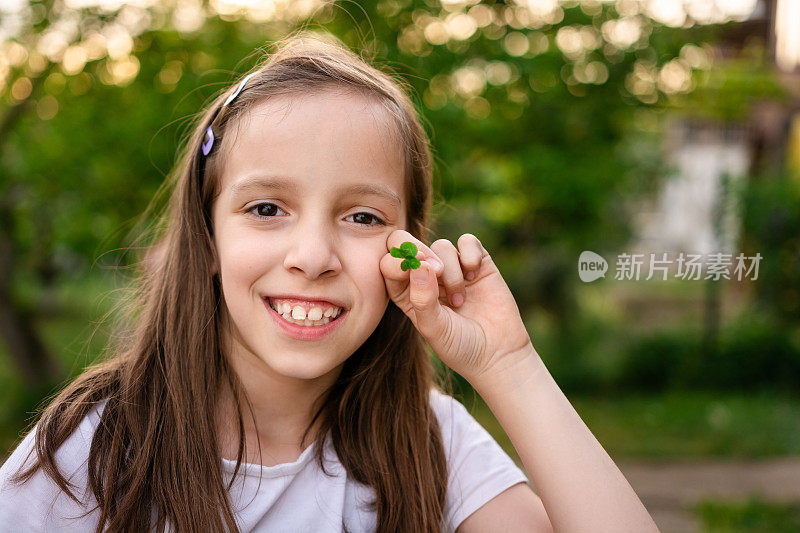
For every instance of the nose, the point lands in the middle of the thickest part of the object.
(313, 250)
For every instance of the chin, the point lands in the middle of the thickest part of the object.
(301, 366)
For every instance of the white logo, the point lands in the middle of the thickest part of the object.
(591, 266)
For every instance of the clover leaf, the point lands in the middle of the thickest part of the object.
(410, 262)
(406, 252)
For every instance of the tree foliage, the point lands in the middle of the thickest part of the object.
(539, 113)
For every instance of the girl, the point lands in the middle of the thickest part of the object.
(275, 375)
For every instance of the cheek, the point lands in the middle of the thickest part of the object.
(239, 256)
(364, 267)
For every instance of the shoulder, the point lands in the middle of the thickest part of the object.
(478, 468)
(39, 504)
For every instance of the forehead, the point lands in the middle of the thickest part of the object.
(319, 139)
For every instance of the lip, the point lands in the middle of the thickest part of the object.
(304, 333)
(332, 301)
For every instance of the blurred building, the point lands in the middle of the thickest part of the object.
(693, 213)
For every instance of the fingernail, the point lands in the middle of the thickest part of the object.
(437, 266)
(457, 299)
(470, 275)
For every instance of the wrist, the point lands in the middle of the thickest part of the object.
(510, 373)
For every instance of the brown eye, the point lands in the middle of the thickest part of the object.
(264, 210)
(359, 218)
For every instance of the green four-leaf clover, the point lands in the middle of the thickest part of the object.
(406, 252)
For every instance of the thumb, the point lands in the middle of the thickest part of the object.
(424, 297)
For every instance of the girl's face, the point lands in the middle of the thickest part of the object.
(311, 188)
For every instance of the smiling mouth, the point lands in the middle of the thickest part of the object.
(305, 322)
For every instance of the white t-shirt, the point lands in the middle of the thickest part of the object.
(288, 497)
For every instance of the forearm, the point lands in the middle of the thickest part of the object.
(581, 487)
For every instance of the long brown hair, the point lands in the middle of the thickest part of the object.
(165, 366)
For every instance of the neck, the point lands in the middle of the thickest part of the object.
(282, 409)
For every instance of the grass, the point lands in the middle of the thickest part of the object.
(752, 516)
(681, 425)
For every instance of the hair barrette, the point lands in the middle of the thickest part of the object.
(208, 143)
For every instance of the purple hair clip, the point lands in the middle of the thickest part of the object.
(209, 140)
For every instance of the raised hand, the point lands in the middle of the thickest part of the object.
(484, 331)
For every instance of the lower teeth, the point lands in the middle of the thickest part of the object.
(307, 322)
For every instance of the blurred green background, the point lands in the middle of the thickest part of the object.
(617, 126)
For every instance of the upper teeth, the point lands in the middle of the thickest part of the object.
(298, 312)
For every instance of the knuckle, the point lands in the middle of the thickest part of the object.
(467, 237)
(441, 243)
(402, 235)
(454, 283)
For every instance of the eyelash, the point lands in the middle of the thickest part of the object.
(379, 221)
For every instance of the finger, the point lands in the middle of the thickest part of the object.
(392, 271)
(398, 237)
(452, 277)
(424, 298)
(398, 282)
(471, 252)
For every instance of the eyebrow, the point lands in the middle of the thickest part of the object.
(285, 184)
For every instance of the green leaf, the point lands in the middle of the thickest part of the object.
(410, 262)
(396, 252)
(409, 249)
